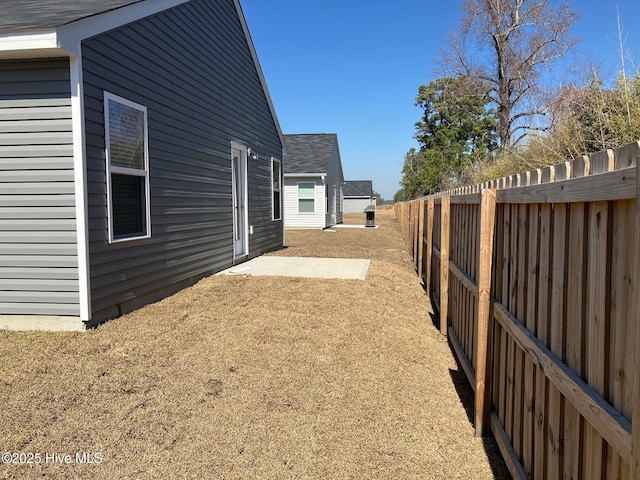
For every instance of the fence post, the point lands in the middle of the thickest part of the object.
(409, 226)
(483, 361)
(417, 204)
(430, 211)
(445, 210)
(635, 420)
(420, 238)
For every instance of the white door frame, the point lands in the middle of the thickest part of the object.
(335, 204)
(239, 201)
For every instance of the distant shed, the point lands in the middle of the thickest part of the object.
(358, 195)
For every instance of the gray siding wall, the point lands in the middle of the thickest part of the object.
(192, 68)
(334, 179)
(38, 251)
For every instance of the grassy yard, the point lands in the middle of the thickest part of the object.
(252, 378)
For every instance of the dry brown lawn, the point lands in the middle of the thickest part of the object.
(253, 378)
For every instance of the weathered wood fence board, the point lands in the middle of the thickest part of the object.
(537, 281)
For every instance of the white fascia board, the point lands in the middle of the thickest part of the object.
(29, 44)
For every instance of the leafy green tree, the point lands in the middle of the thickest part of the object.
(400, 196)
(456, 123)
(422, 174)
(456, 131)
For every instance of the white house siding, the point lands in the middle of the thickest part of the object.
(38, 243)
(303, 220)
(352, 205)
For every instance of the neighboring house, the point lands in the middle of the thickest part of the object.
(358, 195)
(139, 152)
(313, 181)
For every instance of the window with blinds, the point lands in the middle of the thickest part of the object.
(127, 168)
(306, 197)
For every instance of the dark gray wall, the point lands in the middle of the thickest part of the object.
(192, 68)
(38, 242)
(335, 178)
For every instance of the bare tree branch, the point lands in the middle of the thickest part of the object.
(505, 44)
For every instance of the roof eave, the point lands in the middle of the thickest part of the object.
(32, 44)
(65, 40)
(301, 175)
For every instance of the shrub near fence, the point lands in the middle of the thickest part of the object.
(536, 278)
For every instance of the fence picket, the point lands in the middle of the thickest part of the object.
(597, 326)
(549, 333)
(420, 237)
(445, 213)
(430, 213)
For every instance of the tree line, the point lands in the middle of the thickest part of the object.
(495, 108)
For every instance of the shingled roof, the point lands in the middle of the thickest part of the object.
(38, 24)
(21, 15)
(309, 152)
(358, 188)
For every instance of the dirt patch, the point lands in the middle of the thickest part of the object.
(253, 377)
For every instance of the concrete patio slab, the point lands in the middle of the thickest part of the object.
(345, 268)
(342, 225)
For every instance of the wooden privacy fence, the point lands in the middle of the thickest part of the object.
(537, 281)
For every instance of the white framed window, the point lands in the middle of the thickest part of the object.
(276, 188)
(306, 197)
(127, 158)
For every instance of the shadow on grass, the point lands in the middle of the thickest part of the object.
(467, 398)
(435, 320)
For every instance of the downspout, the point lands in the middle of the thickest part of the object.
(80, 185)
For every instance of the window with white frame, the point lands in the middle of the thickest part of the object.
(127, 168)
(306, 197)
(276, 188)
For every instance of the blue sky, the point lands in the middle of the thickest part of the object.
(353, 67)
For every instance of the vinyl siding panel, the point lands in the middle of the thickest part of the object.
(41, 273)
(38, 241)
(353, 205)
(192, 68)
(294, 219)
(334, 179)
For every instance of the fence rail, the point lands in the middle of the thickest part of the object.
(536, 278)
